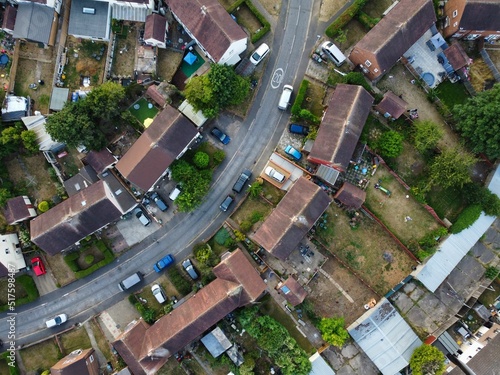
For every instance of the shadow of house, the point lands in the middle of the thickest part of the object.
(146, 348)
(294, 216)
(383, 46)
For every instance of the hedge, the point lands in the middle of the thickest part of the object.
(344, 18)
(266, 26)
(179, 282)
(299, 99)
(367, 21)
(30, 288)
(467, 217)
(71, 258)
(12, 370)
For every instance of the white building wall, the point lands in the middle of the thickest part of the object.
(10, 252)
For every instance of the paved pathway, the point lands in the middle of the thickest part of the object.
(100, 357)
(346, 295)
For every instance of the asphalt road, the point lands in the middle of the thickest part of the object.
(253, 140)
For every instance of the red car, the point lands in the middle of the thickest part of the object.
(38, 266)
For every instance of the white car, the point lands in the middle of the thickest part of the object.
(56, 321)
(273, 173)
(259, 54)
(158, 293)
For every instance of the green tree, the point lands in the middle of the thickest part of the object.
(255, 189)
(390, 144)
(201, 159)
(217, 90)
(479, 122)
(5, 195)
(104, 100)
(427, 359)
(426, 135)
(10, 140)
(30, 141)
(73, 126)
(491, 273)
(451, 169)
(195, 184)
(219, 157)
(203, 254)
(333, 331)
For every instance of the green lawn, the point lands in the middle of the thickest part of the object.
(447, 203)
(143, 111)
(452, 93)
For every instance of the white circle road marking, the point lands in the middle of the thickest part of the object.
(277, 77)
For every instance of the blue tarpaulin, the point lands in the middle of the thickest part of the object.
(190, 58)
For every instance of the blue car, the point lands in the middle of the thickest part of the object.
(163, 263)
(289, 150)
(74, 97)
(222, 137)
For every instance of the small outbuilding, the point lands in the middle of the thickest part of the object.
(216, 342)
(392, 106)
(59, 98)
(350, 196)
(294, 292)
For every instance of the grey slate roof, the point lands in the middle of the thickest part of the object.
(33, 22)
(84, 178)
(481, 15)
(89, 25)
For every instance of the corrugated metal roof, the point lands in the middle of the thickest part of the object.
(320, 366)
(454, 248)
(385, 337)
(128, 13)
(327, 174)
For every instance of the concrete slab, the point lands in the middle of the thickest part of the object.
(346, 370)
(403, 302)
(416, 314)
(45, 283)
(481, 252)
(117, 317)
(492, 236)
(333, 357)
(416, 294)
(408, 288)
(349, 351)
(134, 232)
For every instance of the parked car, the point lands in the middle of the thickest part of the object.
(298, 129)
(273, 173)
(175, 193)
(188, 266)
(38, 266)
(242, 181)
(259, 54)
(163, 263)
(142, 217)
(159, 293)
(56, 321)
(294, 153)
(224, 206)
(159, 202)
(333, 53)
(221, 136)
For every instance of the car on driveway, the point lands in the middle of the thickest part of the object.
(273, 173)
(139, 214)
(220, 135)
(298, 129)
(259, 54)
(294, 153)
(163, 263)
(56, 321)
(38, 266)
(159, 202)
(188, 266)
(159, 293)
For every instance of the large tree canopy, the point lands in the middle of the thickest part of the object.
(80, 123)
(333, 331)
(451, 169)
(478, 121)
(217, 90)
(426, 134)
(427, 359)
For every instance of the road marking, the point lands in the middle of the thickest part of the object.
(337, 285)
(277, 78)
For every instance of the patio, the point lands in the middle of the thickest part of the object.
(423, 57)
(191, 62)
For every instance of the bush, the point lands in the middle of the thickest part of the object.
(357, 78)
(491, 273)
(344, 18)
(299, 99)
(203, 253)
(266, 26)
(367, 21)
(180, 283)
(219, 157)
(70, 260)
(390, 144)
(246, 225)
(43, 206)
(89, 258)
(467, 217)
(256, 216)
(201, 160)
(307, 115)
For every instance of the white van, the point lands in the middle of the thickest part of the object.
(130, 281)
(285, 97)
(333, 53)
(174, 194)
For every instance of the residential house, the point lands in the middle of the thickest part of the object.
(351, 197)
(90, 19)
(293, 292)
(294, 216)
(392, 106)
(19, 209)
(85, 177)
(100, 160)
(43, 139)
(77, 217)
(11, 255)
(383, 46)
(154, 94)
(14, 108)
(165, 140)
(471, 19)
(212, 28)
(155, 31)
(78, 362)
(136, 10)
(146, 348)
(341, 127)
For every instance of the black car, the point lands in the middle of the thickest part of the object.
(224, 206)
(221, 136)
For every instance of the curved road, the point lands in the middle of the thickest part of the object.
(252, 143)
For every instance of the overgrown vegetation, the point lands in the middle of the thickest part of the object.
(26, 291)
(344, 18)
(266, 26)
(180, 283)
(333, 331)
(466, 218)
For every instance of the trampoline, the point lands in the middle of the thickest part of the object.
(428, 78)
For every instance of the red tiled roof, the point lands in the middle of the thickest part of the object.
(16, 210)
(295, 294)
(351, 196)
(100, 160)
(294, 216)
(154, 94)
(392, 104)
(209, 23)
(156, 28)
(456, 56)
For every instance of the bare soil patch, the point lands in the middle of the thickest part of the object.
(392, 210)
(168, 63)
(329, 8)
(124, 53)
(329, 301)
(376, 8)
(368, 249)
(35, 177)
(60, 270)
(355, 31)
(495, 56)
(85, 59)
